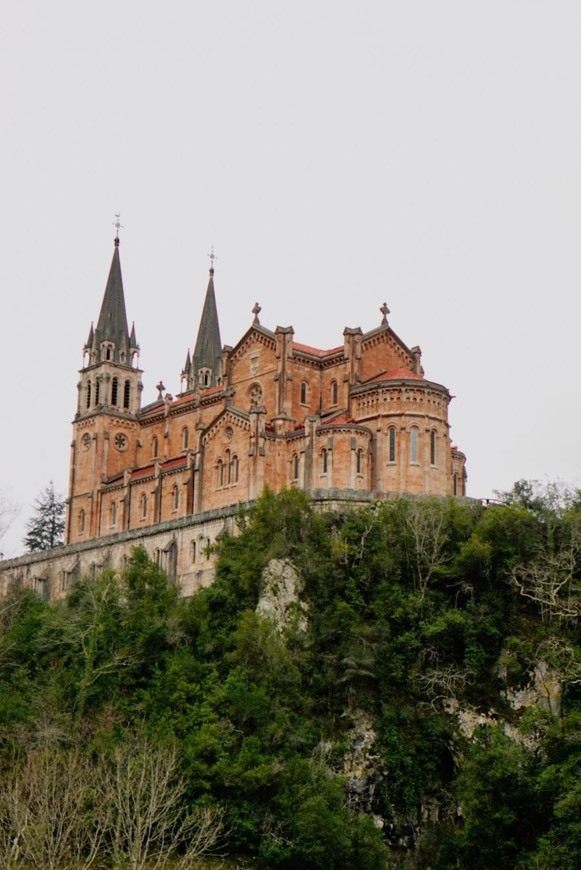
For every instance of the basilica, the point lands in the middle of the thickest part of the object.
(355, 422)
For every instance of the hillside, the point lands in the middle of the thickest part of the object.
(398, 686)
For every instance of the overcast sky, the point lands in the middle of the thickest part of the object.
(337, 155)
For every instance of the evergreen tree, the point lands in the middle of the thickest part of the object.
(45, 529)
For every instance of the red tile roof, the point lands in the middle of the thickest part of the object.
(174, 463)
(395, 374)
(315, 351)
(142, 472)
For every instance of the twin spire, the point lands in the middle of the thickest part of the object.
(204, 368)
(112, 341)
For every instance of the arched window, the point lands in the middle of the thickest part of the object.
(324, 461)
(360, 461)
(413, 444)
(432, 448)
(154, 446)
(228, 468)
(220, 474)
(108, 354)
(114, 390)
(126, 394)
(143, 504)
(113, 513)
(88, 394)
(235, 469)
(304, 393)
(208, 547)
(193, 551)
(334, 392)
(97, 391)
(392, 443)
(185, 437)
(81, 521)
(295, 466)
(455, 480)
(205, 377)
(175, 497)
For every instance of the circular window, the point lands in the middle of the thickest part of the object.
(228, 433)
(120, 441)
(86, 441)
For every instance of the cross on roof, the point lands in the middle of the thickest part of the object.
(256, 311)
(118, 225)
(212, 257)
(385, 311)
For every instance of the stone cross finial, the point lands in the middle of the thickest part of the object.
(256, 311)
(385, 311)
(212, 257)
(160, 387)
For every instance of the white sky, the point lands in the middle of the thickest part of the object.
(336, 154)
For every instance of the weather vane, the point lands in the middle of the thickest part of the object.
(212, 257)
(117, 224)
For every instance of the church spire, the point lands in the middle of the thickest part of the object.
(112, 333)
(207, 356)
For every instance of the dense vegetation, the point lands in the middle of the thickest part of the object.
(166, 726)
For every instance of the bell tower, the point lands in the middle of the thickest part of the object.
(105, 428)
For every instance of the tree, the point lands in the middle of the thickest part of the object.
(46, 528)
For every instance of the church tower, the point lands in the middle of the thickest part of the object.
(204, 369)
(105, 428)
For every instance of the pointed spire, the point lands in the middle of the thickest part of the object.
(91, 336)
(112, 324)
(208, 349)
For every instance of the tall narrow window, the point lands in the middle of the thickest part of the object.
(360, 461)
(176, 497)
(220, 474)
(413, 444)
(392, 443)
(114, 391)
(88, 394)
(185, 437)
(81, 521)
(154, 446)
(143, 506)
(304, 393)
(193, 551)
(334, 392)
(324, 461)
(296, 466)
(235, 469)
(455, 479)
(432, 448)
(127, 394)
(113, 513)
(228, 468)
(108, 354)
(97, 391)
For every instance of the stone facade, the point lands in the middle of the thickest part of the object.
(360, 417)
(354, 423)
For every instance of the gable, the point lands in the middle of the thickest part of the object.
(383, 350)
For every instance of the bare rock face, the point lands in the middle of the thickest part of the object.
(280, 601)
(543, 690)
(361, 764)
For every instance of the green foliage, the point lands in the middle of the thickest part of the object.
(411, 612)
(46, 527)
